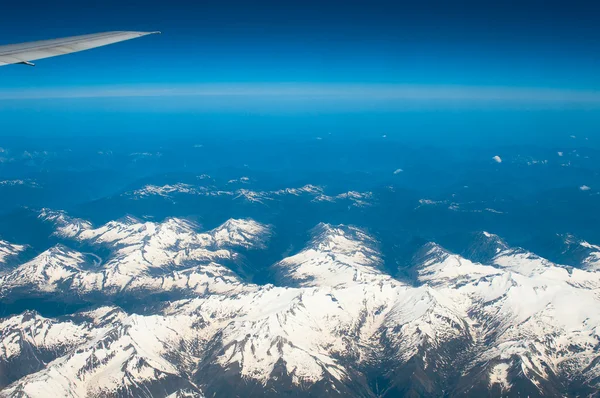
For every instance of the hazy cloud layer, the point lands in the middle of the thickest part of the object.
(355, 92)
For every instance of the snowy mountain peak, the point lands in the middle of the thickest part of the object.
(44, 271)
(335, 320)
(130, 231)
(580, 253)
(180, 224)
(434, 249)
(306, 189)
(129, 220)
(336, 255)
(314, 192)
(428, 253)
(241, 233)
(490, 249)
(342, 239)
(164, 190)
(522, 262)
(144, 257)
(57, 256)
(492, 239)
(435, 265)
(355, 198)
(66, 226)
(9, 251)
(484, 246)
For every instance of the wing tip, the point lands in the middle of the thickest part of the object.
(137, 33)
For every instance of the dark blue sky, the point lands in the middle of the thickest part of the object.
(483, 43)
(351, 60)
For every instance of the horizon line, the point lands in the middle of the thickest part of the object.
(326, 91)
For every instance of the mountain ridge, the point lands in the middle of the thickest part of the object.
(334, 322)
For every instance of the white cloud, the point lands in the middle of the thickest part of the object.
(560, 153)
(584, 188)
(573, 136)
(398, 171)
(497, 159)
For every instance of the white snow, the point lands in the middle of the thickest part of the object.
(358, 199)
(164, 190)
(592, 261)
(337, 256)
(8, 250)
(148, 256)
(499, 375)
(333, 306)
(442, 267)
(66, 227)
(241, 180)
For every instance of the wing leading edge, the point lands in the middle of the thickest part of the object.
(24, 53)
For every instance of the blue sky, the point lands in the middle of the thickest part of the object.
(488, 43)
(507, 49)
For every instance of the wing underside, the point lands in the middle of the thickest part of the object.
(26, 52)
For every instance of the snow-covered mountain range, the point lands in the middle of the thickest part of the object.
(315, 193)
(145, 257)
(495, 321)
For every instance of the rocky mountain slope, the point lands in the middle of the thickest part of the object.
(332, 323)
(8, 253)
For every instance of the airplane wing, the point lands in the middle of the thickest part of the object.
(26, 52)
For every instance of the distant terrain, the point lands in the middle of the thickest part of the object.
(369, 267)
